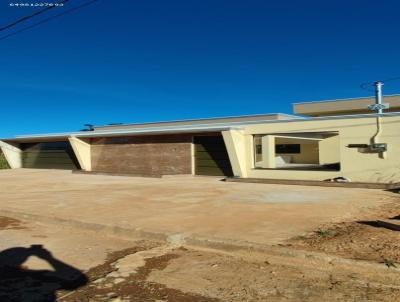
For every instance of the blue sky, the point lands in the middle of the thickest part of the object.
(137, 61)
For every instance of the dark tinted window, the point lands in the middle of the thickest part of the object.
(287, 148)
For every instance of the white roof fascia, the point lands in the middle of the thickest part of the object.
(298, 137)
(128, 132)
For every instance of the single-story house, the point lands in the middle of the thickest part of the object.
(322, 140)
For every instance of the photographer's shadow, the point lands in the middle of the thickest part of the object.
(20, 284)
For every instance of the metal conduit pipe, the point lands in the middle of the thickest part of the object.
(379, 106)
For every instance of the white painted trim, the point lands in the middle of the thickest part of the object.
(142, 131)
(299, 138)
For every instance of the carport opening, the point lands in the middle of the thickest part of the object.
(297, 151)
(211, 156)
(49, 155)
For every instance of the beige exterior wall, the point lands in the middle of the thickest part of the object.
(82, 150)
(355, 164)
(343, 107)
(236, 146)
(361, 167)
(329, 150)
(12, 154)
(268, 152)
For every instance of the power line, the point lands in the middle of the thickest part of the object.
(23, 19)
(71, 10)
(369, 84)
(391, 79)
(366, 86)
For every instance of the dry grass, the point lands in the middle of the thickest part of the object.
(3, 162)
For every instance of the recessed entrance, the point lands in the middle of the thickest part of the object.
(297, 151)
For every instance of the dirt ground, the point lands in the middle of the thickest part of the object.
(191, 275)
(72, 238)
(155, 271)
(362, 239)
(191, 207)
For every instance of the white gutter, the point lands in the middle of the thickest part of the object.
(298, 138)
(83, 134)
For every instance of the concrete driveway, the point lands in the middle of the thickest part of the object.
(179, 206)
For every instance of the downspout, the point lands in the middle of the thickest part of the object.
(375, 138)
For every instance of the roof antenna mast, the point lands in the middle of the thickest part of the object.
(378, 96)
(379, 105)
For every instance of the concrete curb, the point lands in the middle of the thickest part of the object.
(360, 185)
(217, 244)
(116, 174)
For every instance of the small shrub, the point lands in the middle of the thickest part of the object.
(3, 162)
(389, 263)
(325, 233)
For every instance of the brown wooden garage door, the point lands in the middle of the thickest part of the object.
(49, 155)
(211, 157)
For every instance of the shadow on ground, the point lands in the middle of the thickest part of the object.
(19, 283)
(390, 225)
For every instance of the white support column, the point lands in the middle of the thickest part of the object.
(268, 152)
(82, 152)
(12, 154)
(235, 142)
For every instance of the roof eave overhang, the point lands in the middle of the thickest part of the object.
(175, 130)
(94, 134)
